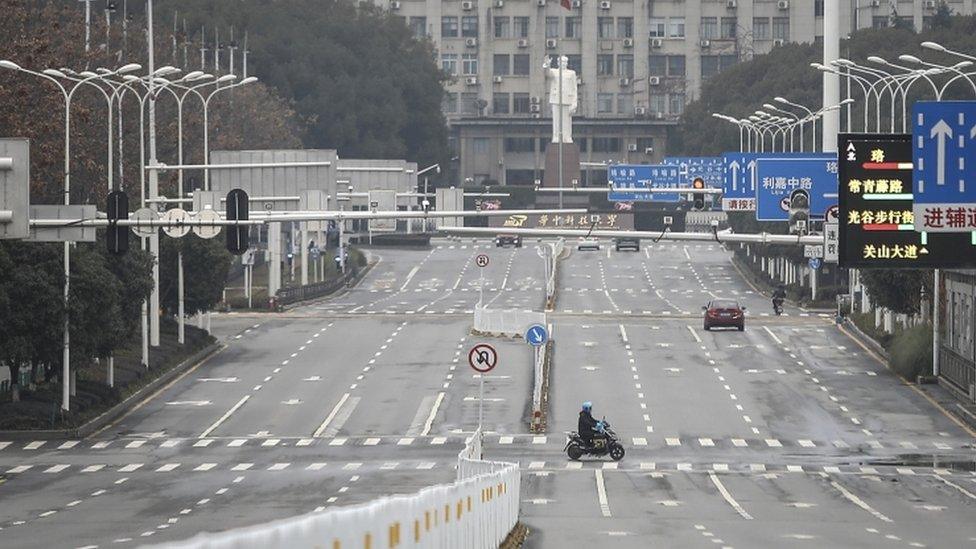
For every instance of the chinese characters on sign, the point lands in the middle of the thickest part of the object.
(944, 166)
(780, 175)
(603, 221)
(877, 216)
(634, 182)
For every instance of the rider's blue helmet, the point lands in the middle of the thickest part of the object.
(587, 406)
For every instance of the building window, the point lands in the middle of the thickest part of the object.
(606, 144)
(625, 27)
(520, 103)
(519, 144)
(449, 104)
(625, 65)
(575, 62)
(503, 27)
(818, 6)
(500, 102)
(469, 64)
(604, 27)
(604, 103)
(418, 26)
(657, 27)
(676, 103)
(709, 28)
(657, 65)
(625, 103)
(449, 63)
(604, 64)
(709, 66)
(552, 27)
(574, 27)
(449, 27)
(521, 27)
(726, 62)
(480, 145)
(676, 27)
(781, 28)
(657, 103)
(879, 21)
(500, 64)
(676, 65)
(469, 26)
(469, 105)
(520, 64)
(760, 28)
(729, 25)
(644, 143)
(582, 142)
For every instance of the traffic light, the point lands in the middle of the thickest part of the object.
(237, 209)
(698, 199)
(117, 207)
(799, 210)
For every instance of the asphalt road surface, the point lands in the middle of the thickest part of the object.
(788, 434)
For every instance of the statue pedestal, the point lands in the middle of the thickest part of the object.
(571, 165)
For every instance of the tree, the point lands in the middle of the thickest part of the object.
(205, 263)
(942, 18)
(898, 290)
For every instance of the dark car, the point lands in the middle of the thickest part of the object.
(503, 240)
(627, 243)
(724, 313)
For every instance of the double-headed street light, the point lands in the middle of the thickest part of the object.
(957, 69)
(738, 124)
(67, 94)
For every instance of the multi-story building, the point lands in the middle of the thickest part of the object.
(639, 62)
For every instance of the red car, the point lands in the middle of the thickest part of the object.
(724, 313)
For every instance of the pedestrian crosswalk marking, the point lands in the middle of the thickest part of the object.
(167, 467)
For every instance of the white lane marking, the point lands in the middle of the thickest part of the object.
(205, 467)
(67, 445)
(337, 442)
(806, 443)
(304, 442)
(224, 417)
(672, 441)
(93, 468)
(278, 466)
(687, 254)
(962, 490)
(773, 443)
(130, 467)
(694, 333)
(237, 443)
(728, 497)
(34, 445)
(331, 416)
(56, 468)
(772, 335)
(601, 493)
(406, 441)
(371, 441)
(242, 467)
(623, 333)
(409, 277)
(167, 467)
(438, 440)
(203, 443)
(739, 442)
(315, 466)
(859, 502)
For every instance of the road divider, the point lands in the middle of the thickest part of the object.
(478, 510)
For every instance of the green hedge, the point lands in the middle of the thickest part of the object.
(910, 354)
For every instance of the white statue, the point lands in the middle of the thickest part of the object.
(563, 104)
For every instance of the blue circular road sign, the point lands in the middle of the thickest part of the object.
(814, 263)
(536, 335)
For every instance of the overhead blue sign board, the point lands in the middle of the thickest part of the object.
(944, 166)
(536, 335)
(709, 168)
(635, 182)
(777, 176)
(739, 182)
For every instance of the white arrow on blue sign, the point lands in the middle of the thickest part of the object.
(739, 185)
(536, 335)
(944, 165)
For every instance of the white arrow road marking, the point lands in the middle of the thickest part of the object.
(189, 403)
(941, 132)
(291, 402)
(220, 379)
(313, 378)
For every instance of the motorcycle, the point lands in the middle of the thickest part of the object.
(778, 305)
(576, 447)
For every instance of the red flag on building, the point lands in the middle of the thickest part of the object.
(566, 4)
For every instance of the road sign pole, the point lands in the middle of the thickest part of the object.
(181, 315)
(936, 321)
(481, 400)
(813, 284)
(481, 286)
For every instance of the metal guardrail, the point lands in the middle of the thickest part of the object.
(294, 294)
(958, 371)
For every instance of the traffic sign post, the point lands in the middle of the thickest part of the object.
(634, 182)
(482, 358)
(944, 166)
(536, 335)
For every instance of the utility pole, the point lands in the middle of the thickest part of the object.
(831, 81)
(153, 181)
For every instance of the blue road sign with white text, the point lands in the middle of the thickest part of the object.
(779, 175)
(709, 168)
(739, 182)
(634, 182)
(536, 335)
(944, 166)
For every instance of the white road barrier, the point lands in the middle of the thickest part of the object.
(505, 321)
(477, 511)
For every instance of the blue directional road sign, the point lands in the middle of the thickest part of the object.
(779, 175)
(709, 168)
(536, 335)
(944, 166)
(739, 182)
(814, 263)
(634, 182)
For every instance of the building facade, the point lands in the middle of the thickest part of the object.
(639, 62)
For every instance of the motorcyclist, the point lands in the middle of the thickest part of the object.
(588, 427)
(779, 295)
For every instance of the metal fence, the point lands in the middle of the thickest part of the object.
(958, 371)
(511, 322)
(294, 294)
(476, 511)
